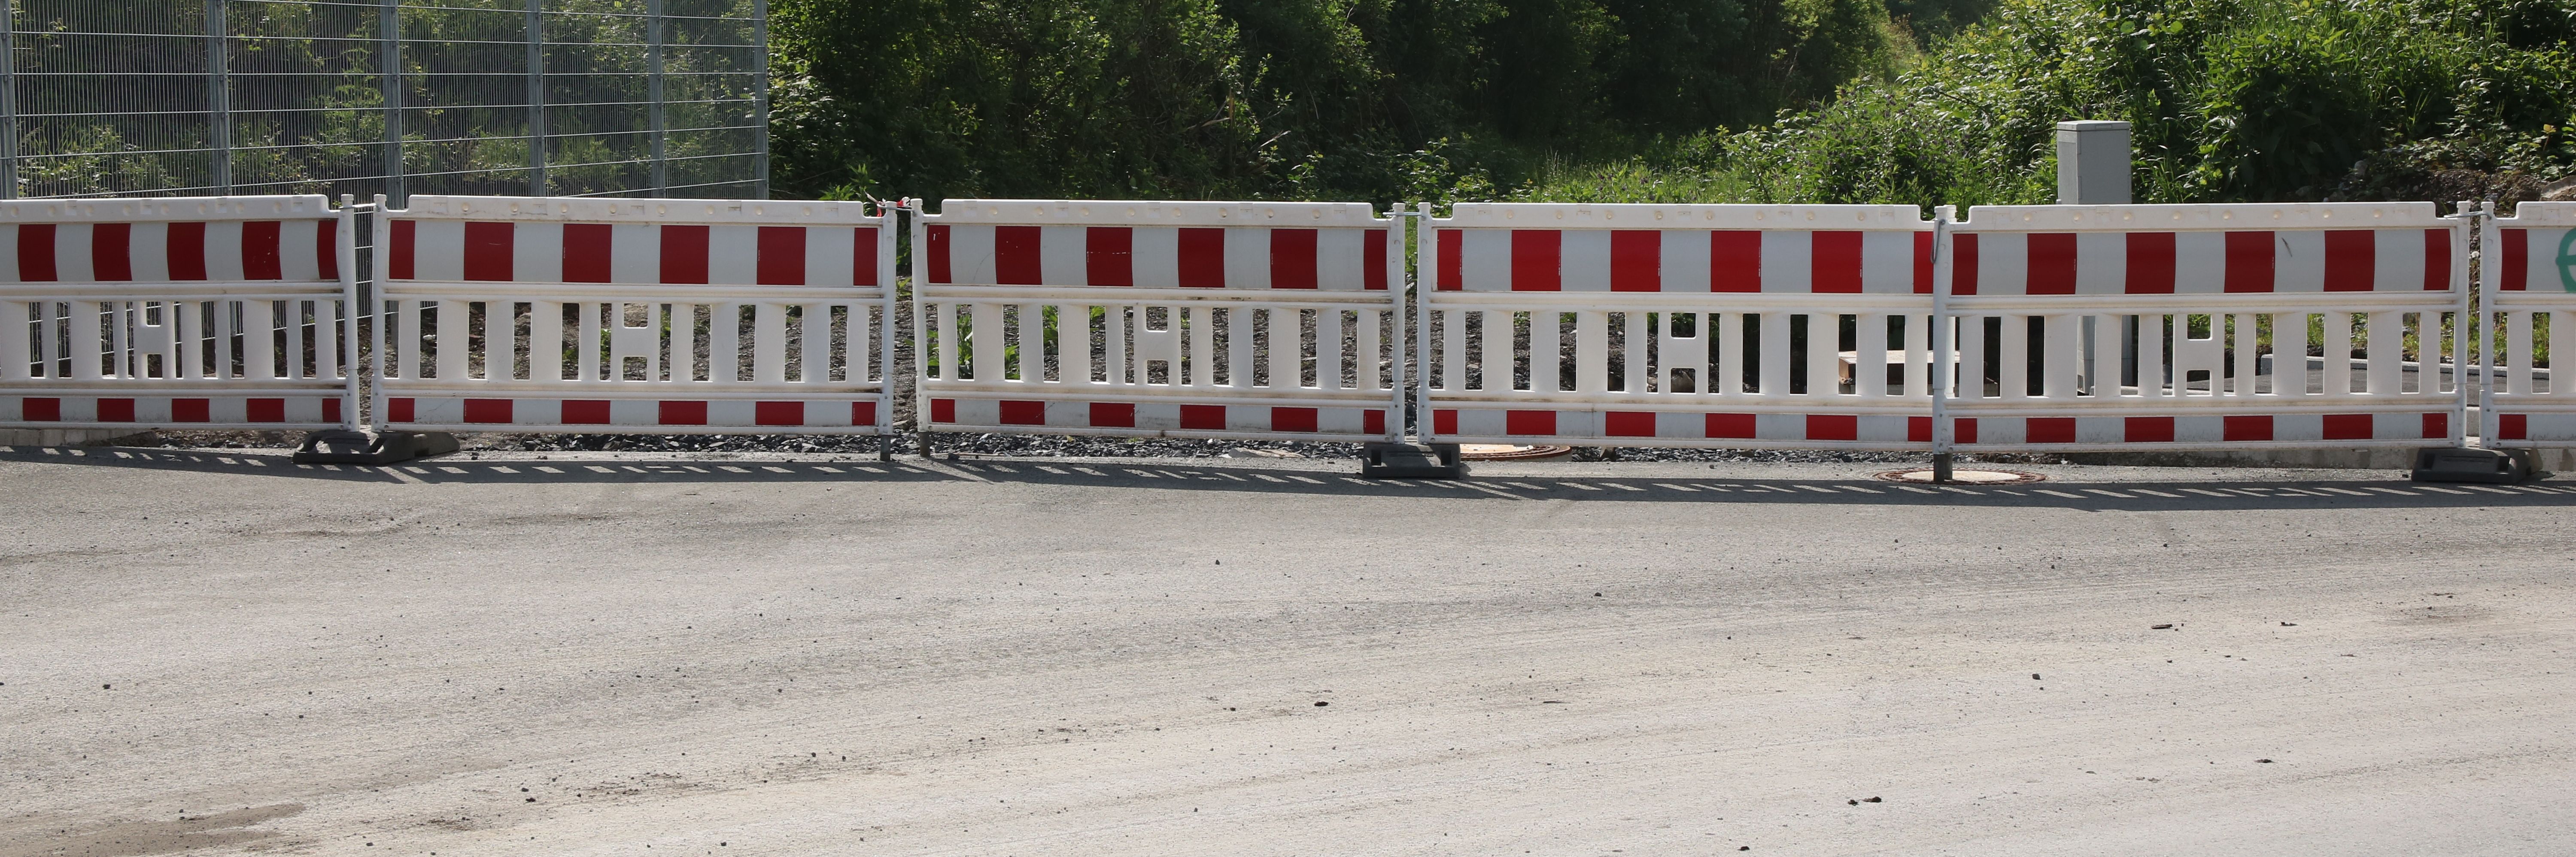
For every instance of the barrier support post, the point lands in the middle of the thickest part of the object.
(920, 233)
(1943, 366)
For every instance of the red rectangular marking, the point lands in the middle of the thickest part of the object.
(36, 253)
(1015, 256)
(2351, 259)
(2151, 263)
(2437, 260)
(40, 409)
(398, 410)
(1202, 259)
(781, 260)
(2148, 430)
(259, 251)
(1729, 425)
(2437, 426)
(586, 252)
(939, 253)
(116, 410)
(1373, 422)
(2052, 264)
(1637, 261)
(331, 410)
(1453, 245)
(1538, 263)
(1734, 262)
(2348, 426)
(778, 413)
(943, 410)
(1023, 413)
(1923, 268)
(1963, 267)
(2508, 426)
(192, 410)
(1109, 259)
(1529, 423)
(1918, 429)
(585, 412)
(683, 413)
(1833, 426)
(1293, 419)
(1203, 417)
(401, 263)
(1628, 423)
(2048, 430)
(863, 413)
(1444, 422)
(1963, 429)
(109, 259)
(496, 411)
(2253, 428)
(1112, 414)
(489, 251)
(684, 257)
(1292, 259)
(1836, 260)
(863, 257)
(1373, 261)
(2249, 262)
(326, 248)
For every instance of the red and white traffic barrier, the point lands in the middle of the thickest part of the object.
(2189, 326)
(1146, 319)
(634, 316)
(1692, 325)
(214, 312)
(2527, 293)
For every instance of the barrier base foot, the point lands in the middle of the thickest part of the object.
(1941, 468)
(2473, 465)
(1410, 461)
(343, 446)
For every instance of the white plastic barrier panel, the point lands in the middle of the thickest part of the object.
(1739, 326)
(2526, 295)
(634, 316)
(2206, 326)
(1257, 320)
(213, 312)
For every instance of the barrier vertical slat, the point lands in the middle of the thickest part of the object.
(1591, 351)
(1637, 337)
(17, 349)
(82, 319)
(1869, 355)
(1328, 350)
(1287, 348)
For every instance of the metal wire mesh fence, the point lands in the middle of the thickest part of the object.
(543, 97)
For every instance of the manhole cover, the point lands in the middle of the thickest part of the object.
(1964, 476)
(1507, 452)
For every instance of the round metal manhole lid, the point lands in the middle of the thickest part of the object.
(1964, 476)
(1508, 452)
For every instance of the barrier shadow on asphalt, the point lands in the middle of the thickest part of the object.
(1193, 475)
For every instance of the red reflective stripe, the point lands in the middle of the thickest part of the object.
(2517, 259)
(1203, 417)
(1963, 429)
(192, 410)
(684, 413)
(779, 413)
(1023, 413)
(50, 410)
(1963, 268)
(1444, 422)
(1918, 429)
(2151, 263)
(1015, 256)
(2249, 262)
(2247, 428)
(2048, 430)
(2437, 261)
(781, 262)
(36, 253)
(1112, 414)
(1636, 260)
(330, 410)
(2351, 259)
(1292, 261)
(1735, 262)
(264, 410)
(1109, 259)
(684, 259)
(2148, 430)
(399, 410)
(585, 412)
(488, 250)
(116, 410)
(1729, 425)
(1452, 267)
(863, 261)
(487, 411)
(1538, 260)
(943, 410)
(1293, 419)
(1833, 426)
(863, 413)
(326, 248)
(586, 252)
(2052, 264)
(109, 260)
(2437, 425)
(2348, 426)
(2508, 426)
(1529, 423)
(401, 263)
(939, 254)
(1836, 260)
(1923, 270)
(1628, 423)
(1373, 261)
(1202, 259)
(259, 251)
(1373, 422)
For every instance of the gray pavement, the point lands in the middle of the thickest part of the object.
(223, 653)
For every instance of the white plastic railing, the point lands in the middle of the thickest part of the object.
(215, 312)
(2190, 326)
(634, 316)
(1182, 319)
(2527, 292)
(1737, 326)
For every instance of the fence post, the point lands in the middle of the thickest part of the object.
(2093, 169)
(536, 98)
(219, 120)
(8, 100)
(389, 20)
(760, 99)
(1944, 368)
(654, 26)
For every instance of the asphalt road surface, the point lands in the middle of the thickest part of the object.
(602, 655)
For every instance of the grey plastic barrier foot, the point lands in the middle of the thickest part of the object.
(343, 446)
(1410, 461)
(2473, 465)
